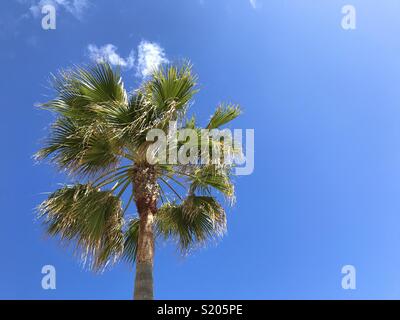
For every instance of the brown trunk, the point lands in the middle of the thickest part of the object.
(146, 193)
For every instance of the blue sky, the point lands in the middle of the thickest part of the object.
(325, 106)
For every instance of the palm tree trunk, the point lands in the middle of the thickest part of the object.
(144, 258)
(146, 192)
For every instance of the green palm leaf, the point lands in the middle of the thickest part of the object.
(131, 240)
(83, 150)
(191, 223)
(89, 217)
(170, 89)
(81, 87)
(223, 115)
(213, 176)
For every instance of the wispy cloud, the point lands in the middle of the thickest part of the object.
(254, 4)
(74, 7)
(108, 53)
(150, 56)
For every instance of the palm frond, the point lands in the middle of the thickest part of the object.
(131, 240)
(171, 88)
(191, 223)
(83, 150)
(89, 217)
(205, 177)
(222, 115)
(84, 86)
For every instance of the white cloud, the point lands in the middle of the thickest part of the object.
(74, 7)
(253, 3)
(108, 53)
(150, 57)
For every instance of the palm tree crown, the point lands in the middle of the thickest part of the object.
(99, 138)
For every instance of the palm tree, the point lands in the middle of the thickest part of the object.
(99, 138)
